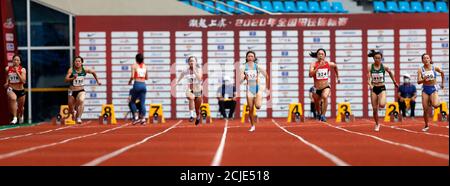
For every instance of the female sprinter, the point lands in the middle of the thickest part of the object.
(16, 76)
(194, 76)
(320, 71)
(139, 75)
(75, 76)
(427, 75)
(375, 79)
(250, 72)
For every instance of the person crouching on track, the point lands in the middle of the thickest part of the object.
(320, 71)
(16, 76)
(139, 75)
(76, 94)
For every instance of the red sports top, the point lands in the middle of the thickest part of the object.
(323, 72)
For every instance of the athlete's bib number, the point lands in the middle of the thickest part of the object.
(428, 76)
(14, 78)
(141, 72)
(322, 73)
(79, 81)
(377, 77)
(252, 75)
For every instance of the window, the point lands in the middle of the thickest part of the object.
(48, 27)
(20, 16)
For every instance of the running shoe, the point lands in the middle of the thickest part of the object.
(253, 128)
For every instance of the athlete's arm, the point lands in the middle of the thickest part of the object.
(23, 75)
(312, 71)
(243, 75)
(146, 73)
(7, 79)
(91, 71)
(181, 77)
(369, 77)
(391, 75)
(68, 79)
(198, 73)
(264, 72)
(132, 75)
(438, 69)
(420, 80)
(334, 65)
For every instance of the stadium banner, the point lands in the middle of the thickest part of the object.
(281, 42)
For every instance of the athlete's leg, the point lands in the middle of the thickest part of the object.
(12, 103)
(324, 98)
(20, 107)
(425, 106)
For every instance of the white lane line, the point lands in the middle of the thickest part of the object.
(219, 153)
(124, 149)
(411, 131)
(43, 132)
(328, 155)
(16, 127)
(22, 151)
(411, 147)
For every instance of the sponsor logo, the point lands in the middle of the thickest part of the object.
(378, 46)
(8, 23)
(316, 40)
(90, 109)
(444, 45)
(9, 37)
(123, 61)
(347, 59)
(443, 38)
(9, 46)
(91, 34)
(92, 82)
(220, 47)
(187, 34)
(93, 95)
(252, 33)
(92, 48)
(411, 58)
(125, 68)
(284, 53)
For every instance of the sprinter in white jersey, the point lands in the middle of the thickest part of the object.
(193, 75)
(250, 73)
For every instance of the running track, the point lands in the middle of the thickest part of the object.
(227, 143)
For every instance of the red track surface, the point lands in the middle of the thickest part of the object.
(182, 143)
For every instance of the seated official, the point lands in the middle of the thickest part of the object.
(407, 92)
(226, 95)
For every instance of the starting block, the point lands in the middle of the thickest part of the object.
(441, 113)
(156, 114)
(63, 117)
(295, 113)
(205, 111)
(107, 115)
(344, 113)
(246, 112)
(392, 112)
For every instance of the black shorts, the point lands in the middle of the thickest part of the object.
(378, 89)
(74, 94)
(319, 92)
(19, 93)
